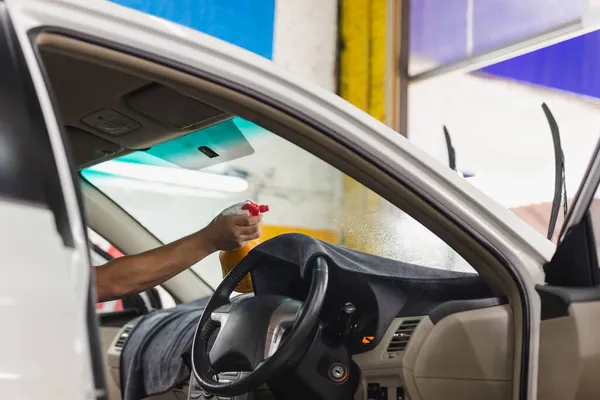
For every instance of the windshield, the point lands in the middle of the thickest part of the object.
(177, 187)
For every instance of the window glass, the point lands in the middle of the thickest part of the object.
(594, 212)
(176, 188)
(595, 216)
(99, 257)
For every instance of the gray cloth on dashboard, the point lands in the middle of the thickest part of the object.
(295, 250)
(152, 359)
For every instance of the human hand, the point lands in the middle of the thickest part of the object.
(230, 232)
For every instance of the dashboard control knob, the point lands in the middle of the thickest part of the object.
(348, 314)
(349, 308)
(343, 324)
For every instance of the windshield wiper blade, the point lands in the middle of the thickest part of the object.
(451, 152)
(560, 186)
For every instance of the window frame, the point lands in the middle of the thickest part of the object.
(575, 262)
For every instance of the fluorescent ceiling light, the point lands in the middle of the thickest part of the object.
(105, 182)
(173, 178)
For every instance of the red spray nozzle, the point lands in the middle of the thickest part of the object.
(255, 209)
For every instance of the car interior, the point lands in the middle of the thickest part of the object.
(419, 335)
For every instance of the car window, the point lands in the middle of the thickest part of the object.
(99, 256)
(594, 211)
(101, 252)
(176, 188)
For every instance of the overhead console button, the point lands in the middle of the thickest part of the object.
(110, 122)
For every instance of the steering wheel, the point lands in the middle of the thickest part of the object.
(251, 331)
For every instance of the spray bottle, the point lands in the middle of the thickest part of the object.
(229, 259)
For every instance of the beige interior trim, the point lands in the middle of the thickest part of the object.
(89, 149)
(570, 355)
(379, 358)
(467, 355)
(115, 225)
(107, 335)
(330, 151)
(458, 389)
(410, 357)
(78, 68)
(377, 365)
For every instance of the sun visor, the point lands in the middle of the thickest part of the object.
(201, 149)
(173, 108)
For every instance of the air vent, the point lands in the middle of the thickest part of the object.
(402, 335)
(120, 343)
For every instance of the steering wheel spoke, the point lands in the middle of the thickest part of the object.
(281, 321)
(221, 314)
(260, 335)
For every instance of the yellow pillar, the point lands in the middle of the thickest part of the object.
(362, 80)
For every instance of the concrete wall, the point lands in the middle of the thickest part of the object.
(305, 39)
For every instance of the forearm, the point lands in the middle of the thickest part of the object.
(133, 274)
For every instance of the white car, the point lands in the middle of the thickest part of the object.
(84, 82)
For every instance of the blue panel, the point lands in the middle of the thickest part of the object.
(573, 66)
(245, 23)
(440, 33)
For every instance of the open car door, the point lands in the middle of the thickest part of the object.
(49, 346)
(570, 321)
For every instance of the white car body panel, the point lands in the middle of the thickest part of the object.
(36, 338)
(525, 248)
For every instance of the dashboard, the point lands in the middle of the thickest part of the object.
(376, 317)
(360, 308)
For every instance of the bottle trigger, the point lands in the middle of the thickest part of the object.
(252, 208)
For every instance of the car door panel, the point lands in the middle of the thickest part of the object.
(463, 355)
(569, 343)
(43, 244)
(107, 336)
